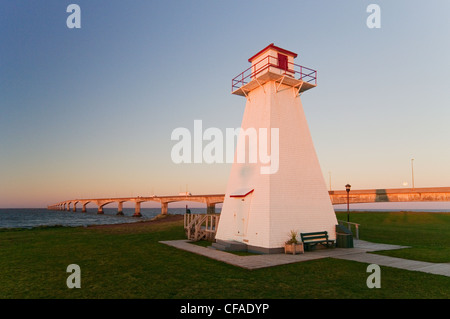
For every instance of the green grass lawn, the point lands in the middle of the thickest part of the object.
(128, 262)
(428, 234)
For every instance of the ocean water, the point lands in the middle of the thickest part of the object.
(35, 217)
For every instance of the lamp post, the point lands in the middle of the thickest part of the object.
(347, 188)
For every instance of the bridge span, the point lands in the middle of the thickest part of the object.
(429, 194)
(209, 200)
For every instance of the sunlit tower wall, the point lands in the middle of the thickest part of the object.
(265, 201)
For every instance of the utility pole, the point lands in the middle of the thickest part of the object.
(329, 173)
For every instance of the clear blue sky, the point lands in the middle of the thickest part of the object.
(89, 112)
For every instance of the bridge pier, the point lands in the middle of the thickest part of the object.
(68, 207)
(74, 207)
(100, 209)
(120, 209)
(83, 209)
(137, 209)
(164, 208)
(211, 208)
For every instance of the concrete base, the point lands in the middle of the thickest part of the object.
(263, 250)
(230, 245)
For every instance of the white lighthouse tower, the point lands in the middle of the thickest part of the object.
(265, 201)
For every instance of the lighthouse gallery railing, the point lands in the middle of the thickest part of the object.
(297, 71)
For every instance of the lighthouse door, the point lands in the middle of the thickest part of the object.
(282, 62)
(241, 214)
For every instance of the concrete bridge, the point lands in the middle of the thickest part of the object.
(68, 205)
(430, 194)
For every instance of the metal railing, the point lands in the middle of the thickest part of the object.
(295, 70)
(349, 226)
(201, 226)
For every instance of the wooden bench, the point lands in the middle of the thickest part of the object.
(310, 240)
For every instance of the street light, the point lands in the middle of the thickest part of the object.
(347, 188)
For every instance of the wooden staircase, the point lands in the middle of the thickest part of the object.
(201, 226)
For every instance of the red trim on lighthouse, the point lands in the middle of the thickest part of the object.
(241, 194)
(272, 46)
